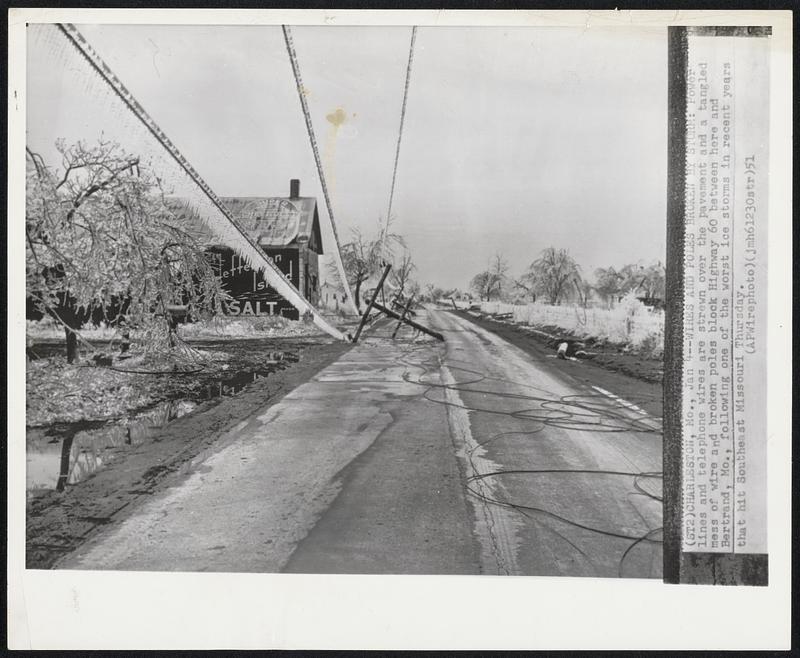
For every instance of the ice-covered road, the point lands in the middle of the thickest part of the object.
(416, 457)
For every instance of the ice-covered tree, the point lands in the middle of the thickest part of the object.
(555, 273)
(100, 237)
(364, 257)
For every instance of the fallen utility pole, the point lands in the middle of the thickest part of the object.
(396, 299)
(398, 304)
(403, 316)
(410, 323)
(371, 303)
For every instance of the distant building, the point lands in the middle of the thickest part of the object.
(287, 229)
(331, 297)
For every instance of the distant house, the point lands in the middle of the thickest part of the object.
(287, 229)
(331, 297)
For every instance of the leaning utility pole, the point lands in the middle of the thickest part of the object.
(371, 303)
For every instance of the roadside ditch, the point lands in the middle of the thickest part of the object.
(86, 472)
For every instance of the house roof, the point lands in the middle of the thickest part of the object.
(271, 221)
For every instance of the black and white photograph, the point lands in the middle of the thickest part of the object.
(334, 298)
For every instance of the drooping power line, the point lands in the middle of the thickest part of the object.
(399, 136)
(287, 35)
(229, 229)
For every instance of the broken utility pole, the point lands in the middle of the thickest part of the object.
(371, 302)
(402, 319)
(403, 316)
(410, 323)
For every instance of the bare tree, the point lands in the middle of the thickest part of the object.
(413, 289)
(100, 236)
(432, 292)
(653, 283)
(527, 285)
(648, 282)
(363, 257)
(358, 259)
(401, 272)
(498, 271)
(584, 290)
(555, 273)
(608, 283)
(481, 284)
(492, 281)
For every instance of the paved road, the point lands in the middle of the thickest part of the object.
(387, 460)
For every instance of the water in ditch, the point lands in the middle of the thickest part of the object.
(64, 454)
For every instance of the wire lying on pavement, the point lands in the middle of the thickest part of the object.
(592, 412)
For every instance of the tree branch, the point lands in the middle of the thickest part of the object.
(40, 165)
(96, 187)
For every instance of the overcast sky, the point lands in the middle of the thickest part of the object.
(516, 139)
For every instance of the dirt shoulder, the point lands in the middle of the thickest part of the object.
(606, 355)
(58, 522)
(632, 377)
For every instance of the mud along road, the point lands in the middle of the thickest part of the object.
(417, 457)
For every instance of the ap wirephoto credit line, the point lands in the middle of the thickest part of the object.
(719, 216)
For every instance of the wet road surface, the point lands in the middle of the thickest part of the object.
(389, 461)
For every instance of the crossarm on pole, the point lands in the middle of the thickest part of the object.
(403, 316)
(410, 323)
(371, 303)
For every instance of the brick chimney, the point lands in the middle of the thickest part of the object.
(294, 188)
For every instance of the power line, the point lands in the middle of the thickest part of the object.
(287, 35)
(400, 135)
(244, 243)
(573, 412)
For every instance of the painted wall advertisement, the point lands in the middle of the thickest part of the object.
(252, 295)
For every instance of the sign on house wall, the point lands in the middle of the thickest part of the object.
(252, 295)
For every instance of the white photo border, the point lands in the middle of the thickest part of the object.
(149, 610)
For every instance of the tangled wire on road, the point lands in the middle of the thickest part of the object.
(577, 412)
